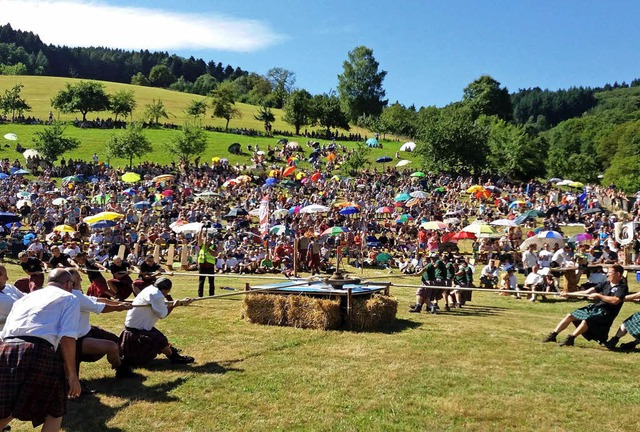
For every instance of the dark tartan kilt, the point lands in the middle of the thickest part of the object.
(141, 346)
(598, 320)
(632, 324)
(32, 381)
(94, 333)
(465, 296)
(123, 287)
(98, 288)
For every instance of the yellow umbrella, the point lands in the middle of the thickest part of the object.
(64, 228)
(163, 178)
(475, 188)
(274, 173)
(215, 159)
(130, 177)
(103, 216)
(300, 176)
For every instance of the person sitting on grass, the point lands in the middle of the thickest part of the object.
(489, 275)
(595, 320)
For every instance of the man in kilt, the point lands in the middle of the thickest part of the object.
(98, 287)
(34, 268)
(594, 321)
(93, 342)
(121, 283)
(149, 271)
(424, 293)
(36, 379)
(631, 325)
(140, 341)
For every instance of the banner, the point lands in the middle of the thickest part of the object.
(626, 233)
(264, 215)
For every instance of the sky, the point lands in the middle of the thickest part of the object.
(431, 49)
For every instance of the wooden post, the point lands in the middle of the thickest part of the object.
(136, 250)
(246, 286)
(156, 254)
(295, 256)
(170, 255)
(121, 251)
(184, 257)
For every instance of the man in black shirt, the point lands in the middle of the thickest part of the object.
(149, 270)
(92, 269)
(34, 268)
(594, 321)
(59, 259)
(121, 284)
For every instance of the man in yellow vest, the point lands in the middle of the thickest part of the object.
(206, 264)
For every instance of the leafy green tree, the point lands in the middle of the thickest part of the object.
(155, 110)
(190, 142)
(196, 108)
(298, 110)
(51, 142)
(356, 160)
(161, 76)
(129, 144)
(360, 84)
(451, 141)
(484, 96)
(223, 103)
(266, 116)
(14, 69)
(328, 112)
(624, 165)
(140, 79)
(13, 103)
(122, 102)
(282, 82)
(83, 97)
(512, 152)
(182, 85)
(399, 120)
(204, 84)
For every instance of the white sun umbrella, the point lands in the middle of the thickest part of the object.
(23, 202)
(11, 137)
(480, 228)
(260, 153)
(193, 228)
(280, 213)
(419, 194)
(255, 212)
(29, 153)
(539, 242)
(452, 221)
(59, 201)
(564, 182)
(503, 222)
(314, 208)
(403, 162)
(408, 146)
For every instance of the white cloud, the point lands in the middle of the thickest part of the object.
(85, 23)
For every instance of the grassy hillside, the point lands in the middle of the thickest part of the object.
(38, 92)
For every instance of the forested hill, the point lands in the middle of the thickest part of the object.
(31, 56)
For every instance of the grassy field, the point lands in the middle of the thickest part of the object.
(480, 368)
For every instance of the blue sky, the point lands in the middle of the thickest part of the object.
(430, 49)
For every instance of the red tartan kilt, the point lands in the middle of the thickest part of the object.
(32, 381)
(31, 283)
(98, 288)
(94, 333)
(139, 347)
(123, 287)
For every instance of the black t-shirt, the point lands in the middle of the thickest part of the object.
(60, 259)
(32, 265)
(119, 270)
(93, 271)
(146, 268)
(620, 291)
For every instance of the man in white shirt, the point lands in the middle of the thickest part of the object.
(8, 295)
(30, 369)
(561, 256)
(93, 342)
(529, 259)
(534, 282)
(489, 275)
(140, 341)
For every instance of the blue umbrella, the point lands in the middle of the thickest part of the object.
(372, 142)
(3, 176)
(19, 172)
(129, 191)
(142, 205)
(402, 197)
(271, 181)
(349, 210)
(103, 224)
(27, 239)
(384, 159)
(7, 218)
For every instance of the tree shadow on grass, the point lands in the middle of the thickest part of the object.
(89, 413)
(479, 310)
(397, 326)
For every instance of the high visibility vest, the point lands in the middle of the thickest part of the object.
(205, 256)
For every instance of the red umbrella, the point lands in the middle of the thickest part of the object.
(288, 171)
(316, 176)
(463, 235)
(167, 192)
(398, 204)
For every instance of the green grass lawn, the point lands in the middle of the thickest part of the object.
(481, 368)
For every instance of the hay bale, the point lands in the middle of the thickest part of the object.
(375, 312)
(265, 309)
(313, 313)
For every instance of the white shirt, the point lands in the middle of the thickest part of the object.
(560, 257)
(88, 305)
(533, 279)
(50, 313)
(488, 270)
(8, 296)
(544, 258)
(144, 318)
(529, 259)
